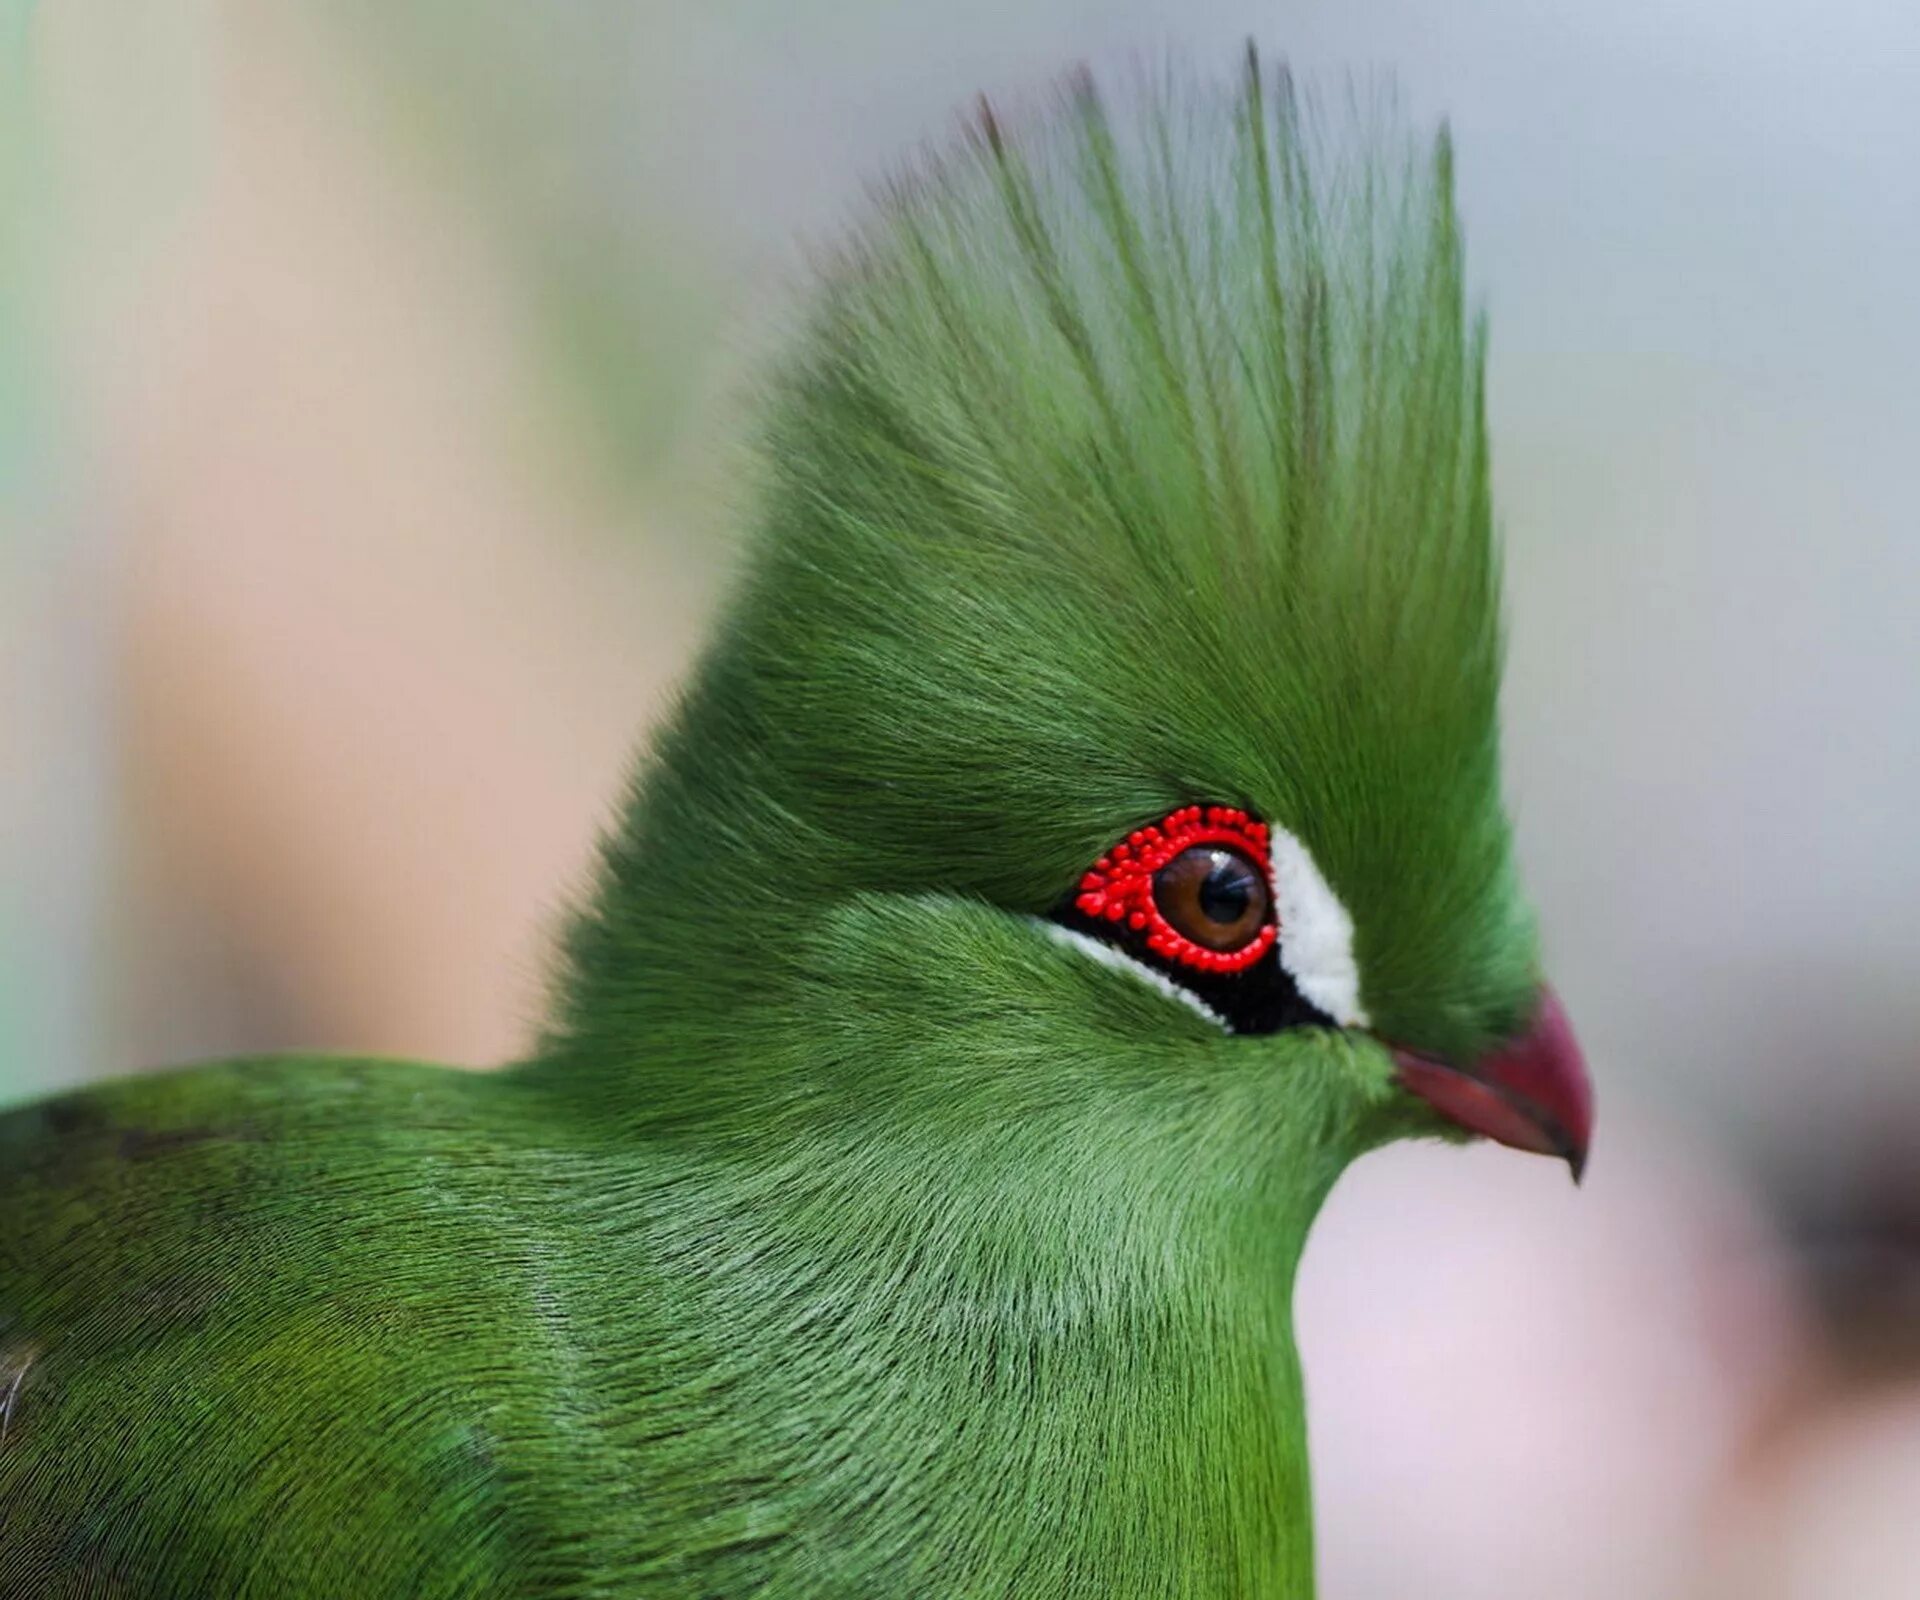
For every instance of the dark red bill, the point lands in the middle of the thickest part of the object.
(1532, 1093)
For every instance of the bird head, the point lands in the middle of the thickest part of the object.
(1100, 753)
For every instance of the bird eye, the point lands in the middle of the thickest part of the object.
(1189, 898)
(1212, 895)
(1191, 888)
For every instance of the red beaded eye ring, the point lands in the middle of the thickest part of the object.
(1121, 886)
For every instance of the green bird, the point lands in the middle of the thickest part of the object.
(1081, 838)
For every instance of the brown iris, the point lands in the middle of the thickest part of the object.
(1212, 895)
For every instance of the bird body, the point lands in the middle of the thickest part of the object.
(465, 1353)
(1080, 841)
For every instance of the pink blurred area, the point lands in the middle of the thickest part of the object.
(379, 375)
(381, 635)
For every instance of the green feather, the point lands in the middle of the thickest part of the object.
(848, 1234)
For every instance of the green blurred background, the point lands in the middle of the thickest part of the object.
(370, 381)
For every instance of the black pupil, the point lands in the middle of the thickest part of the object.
(1227, 890)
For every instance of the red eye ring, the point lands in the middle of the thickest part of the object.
(1119, 886)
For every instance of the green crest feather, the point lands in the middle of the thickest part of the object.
(1131, 457)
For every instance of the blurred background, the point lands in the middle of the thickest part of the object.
(369, 378)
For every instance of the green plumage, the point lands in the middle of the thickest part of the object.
(848, 1234)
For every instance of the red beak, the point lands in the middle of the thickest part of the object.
(1532, 1093)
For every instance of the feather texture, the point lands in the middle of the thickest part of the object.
(1131, 457)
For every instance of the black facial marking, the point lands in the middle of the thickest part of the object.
(1260, 999)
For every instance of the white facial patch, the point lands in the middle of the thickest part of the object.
(1316, 934)
(1119, 961)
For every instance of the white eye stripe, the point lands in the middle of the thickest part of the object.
(1120, 961)
(1316, 934)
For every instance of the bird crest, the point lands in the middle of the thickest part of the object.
(1133, 457)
